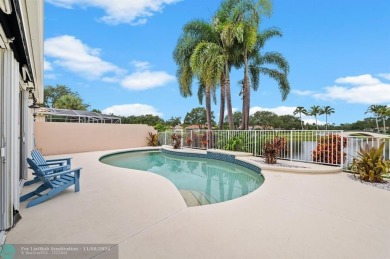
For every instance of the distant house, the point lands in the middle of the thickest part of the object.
(262, 127)
(21, 85)
(195, 127)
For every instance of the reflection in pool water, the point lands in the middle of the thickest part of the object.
(208, 180)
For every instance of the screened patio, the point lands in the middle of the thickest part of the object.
(77, 116)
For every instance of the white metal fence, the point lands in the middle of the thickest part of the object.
(324, 147)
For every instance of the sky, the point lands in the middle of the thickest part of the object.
(117, 54)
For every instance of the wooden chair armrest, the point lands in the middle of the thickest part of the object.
(62, 173)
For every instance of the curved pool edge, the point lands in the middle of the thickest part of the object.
(209, 154)
(215, 154)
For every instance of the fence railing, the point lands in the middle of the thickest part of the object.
(315, 146)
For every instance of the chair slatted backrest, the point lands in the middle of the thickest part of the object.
(38, 172)
(38, 158)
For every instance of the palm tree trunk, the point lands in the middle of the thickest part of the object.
(384, 124)
(222, 105)
(208, 108)
(326, 122)
(246, 97)
(300, 117)
(228, 97)
(316, 122)
(377, 124)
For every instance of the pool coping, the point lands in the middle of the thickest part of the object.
(281, 165)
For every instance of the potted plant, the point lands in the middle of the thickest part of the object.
(272, 149)
(189, 141)
(153, 140)
(176, 141)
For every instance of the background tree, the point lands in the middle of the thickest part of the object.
(264, 119)
(300, 110)
(327, 110)
(375, 110)
(96, 110)
(383, 112)
(197, 116)
(53, 93)
(148, 119)
(70, 102)
(289, 122)
(173, 121)
(315, 110)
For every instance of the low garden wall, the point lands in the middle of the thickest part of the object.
(53, 138)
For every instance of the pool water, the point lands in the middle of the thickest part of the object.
(200, 180)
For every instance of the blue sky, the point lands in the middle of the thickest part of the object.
(117, 54)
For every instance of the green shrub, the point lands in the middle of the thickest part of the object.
(234, 144)
(370, 164)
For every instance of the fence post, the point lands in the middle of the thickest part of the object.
(255, 144)
(291, 144)
(342, 149)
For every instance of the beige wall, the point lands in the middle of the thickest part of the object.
(54, 138)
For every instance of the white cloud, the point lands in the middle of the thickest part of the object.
(363, 94)
(136, 109)
(143, 78)
(134, 12)
(280, 110)
(140, 65)
(70, 53)
(302, 92)
(385, 76)
(50, 76)
(362, 89)
(73, 55)
(366, 79)
(47, 66)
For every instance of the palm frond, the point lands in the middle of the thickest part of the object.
(280, 78)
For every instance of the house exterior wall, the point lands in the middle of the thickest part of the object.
(21, 49)
(53, 138)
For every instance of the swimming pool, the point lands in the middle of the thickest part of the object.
(200, 180)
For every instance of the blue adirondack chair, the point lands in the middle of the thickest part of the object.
(43, 163)
(55, 181)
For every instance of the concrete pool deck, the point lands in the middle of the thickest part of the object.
(143, 215)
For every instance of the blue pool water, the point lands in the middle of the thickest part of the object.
(208, 180)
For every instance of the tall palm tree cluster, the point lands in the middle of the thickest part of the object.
(381, 112)
(315, 111)
(207, 51)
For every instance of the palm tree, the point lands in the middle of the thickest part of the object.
(229, 34)
(194, 33)
(208, 62)
(300, 110)
(375, 109)
(246, 16)
(279, 65)
(315, 110)
(383, 111)
(327, 110)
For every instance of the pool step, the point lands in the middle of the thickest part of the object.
(195, 198)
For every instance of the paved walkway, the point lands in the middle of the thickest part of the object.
(144, 216)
